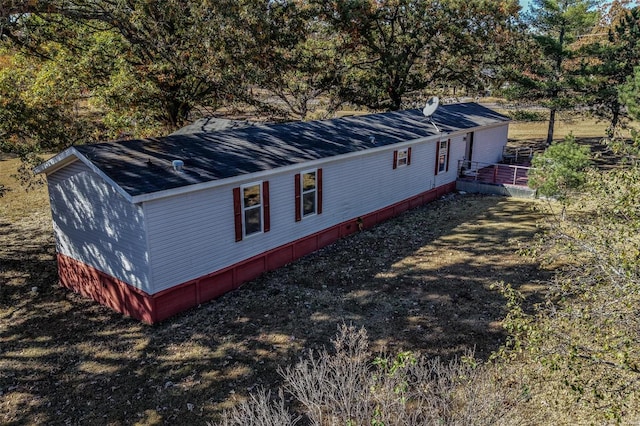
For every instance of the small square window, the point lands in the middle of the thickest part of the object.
(403, 157)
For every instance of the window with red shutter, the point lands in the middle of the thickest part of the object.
(297, 202)
(442, 156)
(266, 213)
(251, 209)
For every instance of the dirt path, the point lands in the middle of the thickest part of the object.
(419, 282)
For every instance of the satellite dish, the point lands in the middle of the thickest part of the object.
(431, 106)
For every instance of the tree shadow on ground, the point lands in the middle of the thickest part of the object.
(419, 282)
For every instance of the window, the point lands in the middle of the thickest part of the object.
(308, 193)
(442, 156)
(401, 157)
(251, 209)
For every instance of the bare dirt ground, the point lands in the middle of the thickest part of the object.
(419, 282)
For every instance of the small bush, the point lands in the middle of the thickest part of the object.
(560, 169)
(259, 409)
(348, 388)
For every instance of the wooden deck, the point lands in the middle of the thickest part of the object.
(498, 174)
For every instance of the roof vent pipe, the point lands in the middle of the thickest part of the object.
(177, 165)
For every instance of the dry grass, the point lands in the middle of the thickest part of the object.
(17, 202)
(346, 387)
(419, 282)
(565, 124)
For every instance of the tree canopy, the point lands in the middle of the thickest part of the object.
(609, 59)
(140, 68)
(560, 169)
(583, 338)
(146, 67)
(400, 47)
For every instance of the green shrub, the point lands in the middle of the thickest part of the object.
(581, 344)
(560, 168)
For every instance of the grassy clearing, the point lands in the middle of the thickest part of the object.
(522, 132)
(18, 203)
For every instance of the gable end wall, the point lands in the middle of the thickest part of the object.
(96, 226)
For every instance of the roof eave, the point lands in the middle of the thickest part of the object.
(71, 155)
(266, 173)
(58, 161)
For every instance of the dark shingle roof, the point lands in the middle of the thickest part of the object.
(145, 166)
(212, 124)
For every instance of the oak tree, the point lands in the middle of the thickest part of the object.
(399, 47)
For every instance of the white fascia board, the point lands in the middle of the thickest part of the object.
(71, 155)
(489, 126)
(263, 175)
(56, 162)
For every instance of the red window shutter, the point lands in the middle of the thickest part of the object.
(298, 205)
(265, 206)
(319, 190)
(437, 156)
(409, 156)
(395, 159)
(237, 213)
(448, 151)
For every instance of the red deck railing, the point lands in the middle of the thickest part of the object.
(493, 173)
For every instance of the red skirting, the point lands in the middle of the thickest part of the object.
(151, 309)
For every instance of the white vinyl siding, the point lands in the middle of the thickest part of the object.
(192, 235)
(163, 242)
(454, 152)
(488, 144)
(95, 225)
(367, 183)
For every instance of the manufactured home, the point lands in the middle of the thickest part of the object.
(153, 227)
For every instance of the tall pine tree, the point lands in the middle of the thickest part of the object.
(554, 27)
(613, 61)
